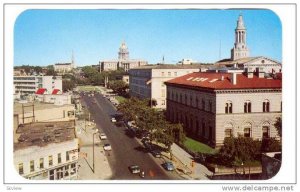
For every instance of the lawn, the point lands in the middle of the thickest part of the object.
(120, 99)
(197, 146)
(88, 88)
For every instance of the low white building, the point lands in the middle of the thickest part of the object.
(212, 106)
(147, 82)
(46, 151)
(30, 84)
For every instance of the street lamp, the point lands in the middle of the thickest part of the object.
(94, 149)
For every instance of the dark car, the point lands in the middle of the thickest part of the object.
(134, 169)
(148, 146)
(168, 166)
(156, 153)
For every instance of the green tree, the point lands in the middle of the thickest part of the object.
(50, 70)
(238, 150)
(67, 85)
(118, 86)
(278, 126)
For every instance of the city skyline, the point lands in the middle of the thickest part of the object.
(46, 37)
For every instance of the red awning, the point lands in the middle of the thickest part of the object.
(41, 91)
(55, 91)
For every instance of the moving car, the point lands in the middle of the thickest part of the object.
(102, 136)
(134, 169)
(168, 166)
(107, 147)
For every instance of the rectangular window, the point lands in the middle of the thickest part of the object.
(163, 93)
(228, 133)
(50, 158)
(41, 163)
(163, 102)
(59, 158)
(169, 74)
(73, 168)
(210, 106)
(203, 105)
(21, 169)
(67, 156)
(162, 74)
(175, 74)
(31, 166)
(51, 174)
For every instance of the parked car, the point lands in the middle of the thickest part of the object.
(113, 120)
(107, 147)
(103, 136)
(134, 169)
(168, 166)
(156, 153)
(148, 146)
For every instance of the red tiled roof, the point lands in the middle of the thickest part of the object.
(41, 91)
(55, 91)
(213, 81)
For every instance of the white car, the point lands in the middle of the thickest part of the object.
(113, 120)
(107, 147)
(102, 136)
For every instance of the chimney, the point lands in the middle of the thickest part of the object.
(260, 72)
(249, 72)
(233, 78)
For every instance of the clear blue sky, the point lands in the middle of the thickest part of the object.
(46, 37)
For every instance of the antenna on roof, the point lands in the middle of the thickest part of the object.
(220, 49)
(163, 60)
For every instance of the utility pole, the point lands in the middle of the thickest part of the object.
(94, 149)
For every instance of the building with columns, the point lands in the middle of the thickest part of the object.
(123, 61)
(212, 106)
(240, 54)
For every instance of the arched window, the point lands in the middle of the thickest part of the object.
(266, 106)
(228, 107)
(247, 130)
(265, 131)
(247, 107)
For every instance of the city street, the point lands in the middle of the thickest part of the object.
(126, 150)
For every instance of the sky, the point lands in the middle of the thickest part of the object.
(46, 37)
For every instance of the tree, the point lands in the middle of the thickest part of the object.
(278, 126)
(238, 150)
(118, 86)
(67, 85)
(50, 70)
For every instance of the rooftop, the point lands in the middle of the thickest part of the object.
(240, 61)
(37, 106)
(44, 133)
(172, 66)
(214, 81)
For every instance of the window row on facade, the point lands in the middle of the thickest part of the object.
(41, 163)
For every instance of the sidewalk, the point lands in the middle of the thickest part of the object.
(186, 167)
(85, 170)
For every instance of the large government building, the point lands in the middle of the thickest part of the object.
(123, 61)
(212, 106)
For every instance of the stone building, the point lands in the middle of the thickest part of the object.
(123, 61)
(213, 106)
(147, 82)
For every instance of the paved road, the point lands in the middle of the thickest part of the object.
(125, 149)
